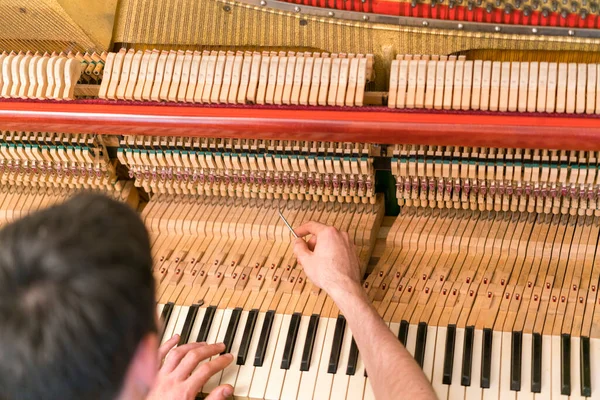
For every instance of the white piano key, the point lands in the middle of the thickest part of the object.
(277, 375)
(430, 352)
(309, 378)
(475, 391)
(340, 379)
(356, 384)
(439, 388)
(595, 367)
(197, 325)
(576, 369)
(324, 379)
(493, 392)
(505, 358)
(395, 328)
(555, 361)
(411, 340)
(293, 375)
(526, 354)
(220, 328)
(244, 378)
(261, 374)
(159, 308)
(369, 394)
(231, 372)
(171, 324)
(456, 390)
(181, 320)
(546, 391)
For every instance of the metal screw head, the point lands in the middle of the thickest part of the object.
(263, 3)
(571, 32)
(460, 26)
(497, 29)
(425, 23)
(226, 8)
(365, 17)
(297, 9)
(331, 14)
(534, 30)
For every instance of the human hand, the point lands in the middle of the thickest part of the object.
(181, 377)
(328, 258)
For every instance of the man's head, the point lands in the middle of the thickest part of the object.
(77, 314)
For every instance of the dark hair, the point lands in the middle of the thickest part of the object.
(76, 298)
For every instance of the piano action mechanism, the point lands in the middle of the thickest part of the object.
(455, 141)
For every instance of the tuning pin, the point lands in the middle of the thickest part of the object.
(574, 7)
(527, 11)
(583, 13)
(507, 9)
(489, 8)
(564, 13)
(451, 4)
(413, 3)
(517, 4)
(470, 5)
(498, 3)
(545, 12)
(594, 8)
(555, 6)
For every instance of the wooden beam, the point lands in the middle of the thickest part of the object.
(367, 125)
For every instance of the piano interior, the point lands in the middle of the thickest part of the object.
(456, 141)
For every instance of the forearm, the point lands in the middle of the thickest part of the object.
(393, 372)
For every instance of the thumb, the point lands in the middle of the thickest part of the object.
(301, 250)
(220, 393)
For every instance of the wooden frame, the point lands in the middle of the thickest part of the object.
(368, 124)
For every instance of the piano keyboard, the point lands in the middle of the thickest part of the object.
(235, 280)
(491, 305)
(219, 77)
(441, 82)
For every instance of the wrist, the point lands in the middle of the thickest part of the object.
(347, 291)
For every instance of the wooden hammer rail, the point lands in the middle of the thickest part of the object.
(27, 75)
(213, 77)
(447, 83)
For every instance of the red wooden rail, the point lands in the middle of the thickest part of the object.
(371, 125)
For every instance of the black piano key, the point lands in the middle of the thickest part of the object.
(189, 322)
(336, 348)
(467, 361)
(265, 333)
(403, 332)
(421, 342)
(232, 329)
(486, 358)
(290, 341)
(165, 316)
(247, 337)
(515, 360)
(206, 324)
(352, 358)
(309, 344)
(565, 364)
(449, 355)
(585, 373)
(536, 363)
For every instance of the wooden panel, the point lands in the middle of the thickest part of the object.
(369, 125)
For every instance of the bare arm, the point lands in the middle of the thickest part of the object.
(329, 260)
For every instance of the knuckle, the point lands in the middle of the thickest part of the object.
(205, 369)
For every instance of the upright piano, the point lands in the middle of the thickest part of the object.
(456, 141)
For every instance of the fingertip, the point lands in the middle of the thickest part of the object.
(227, 391)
